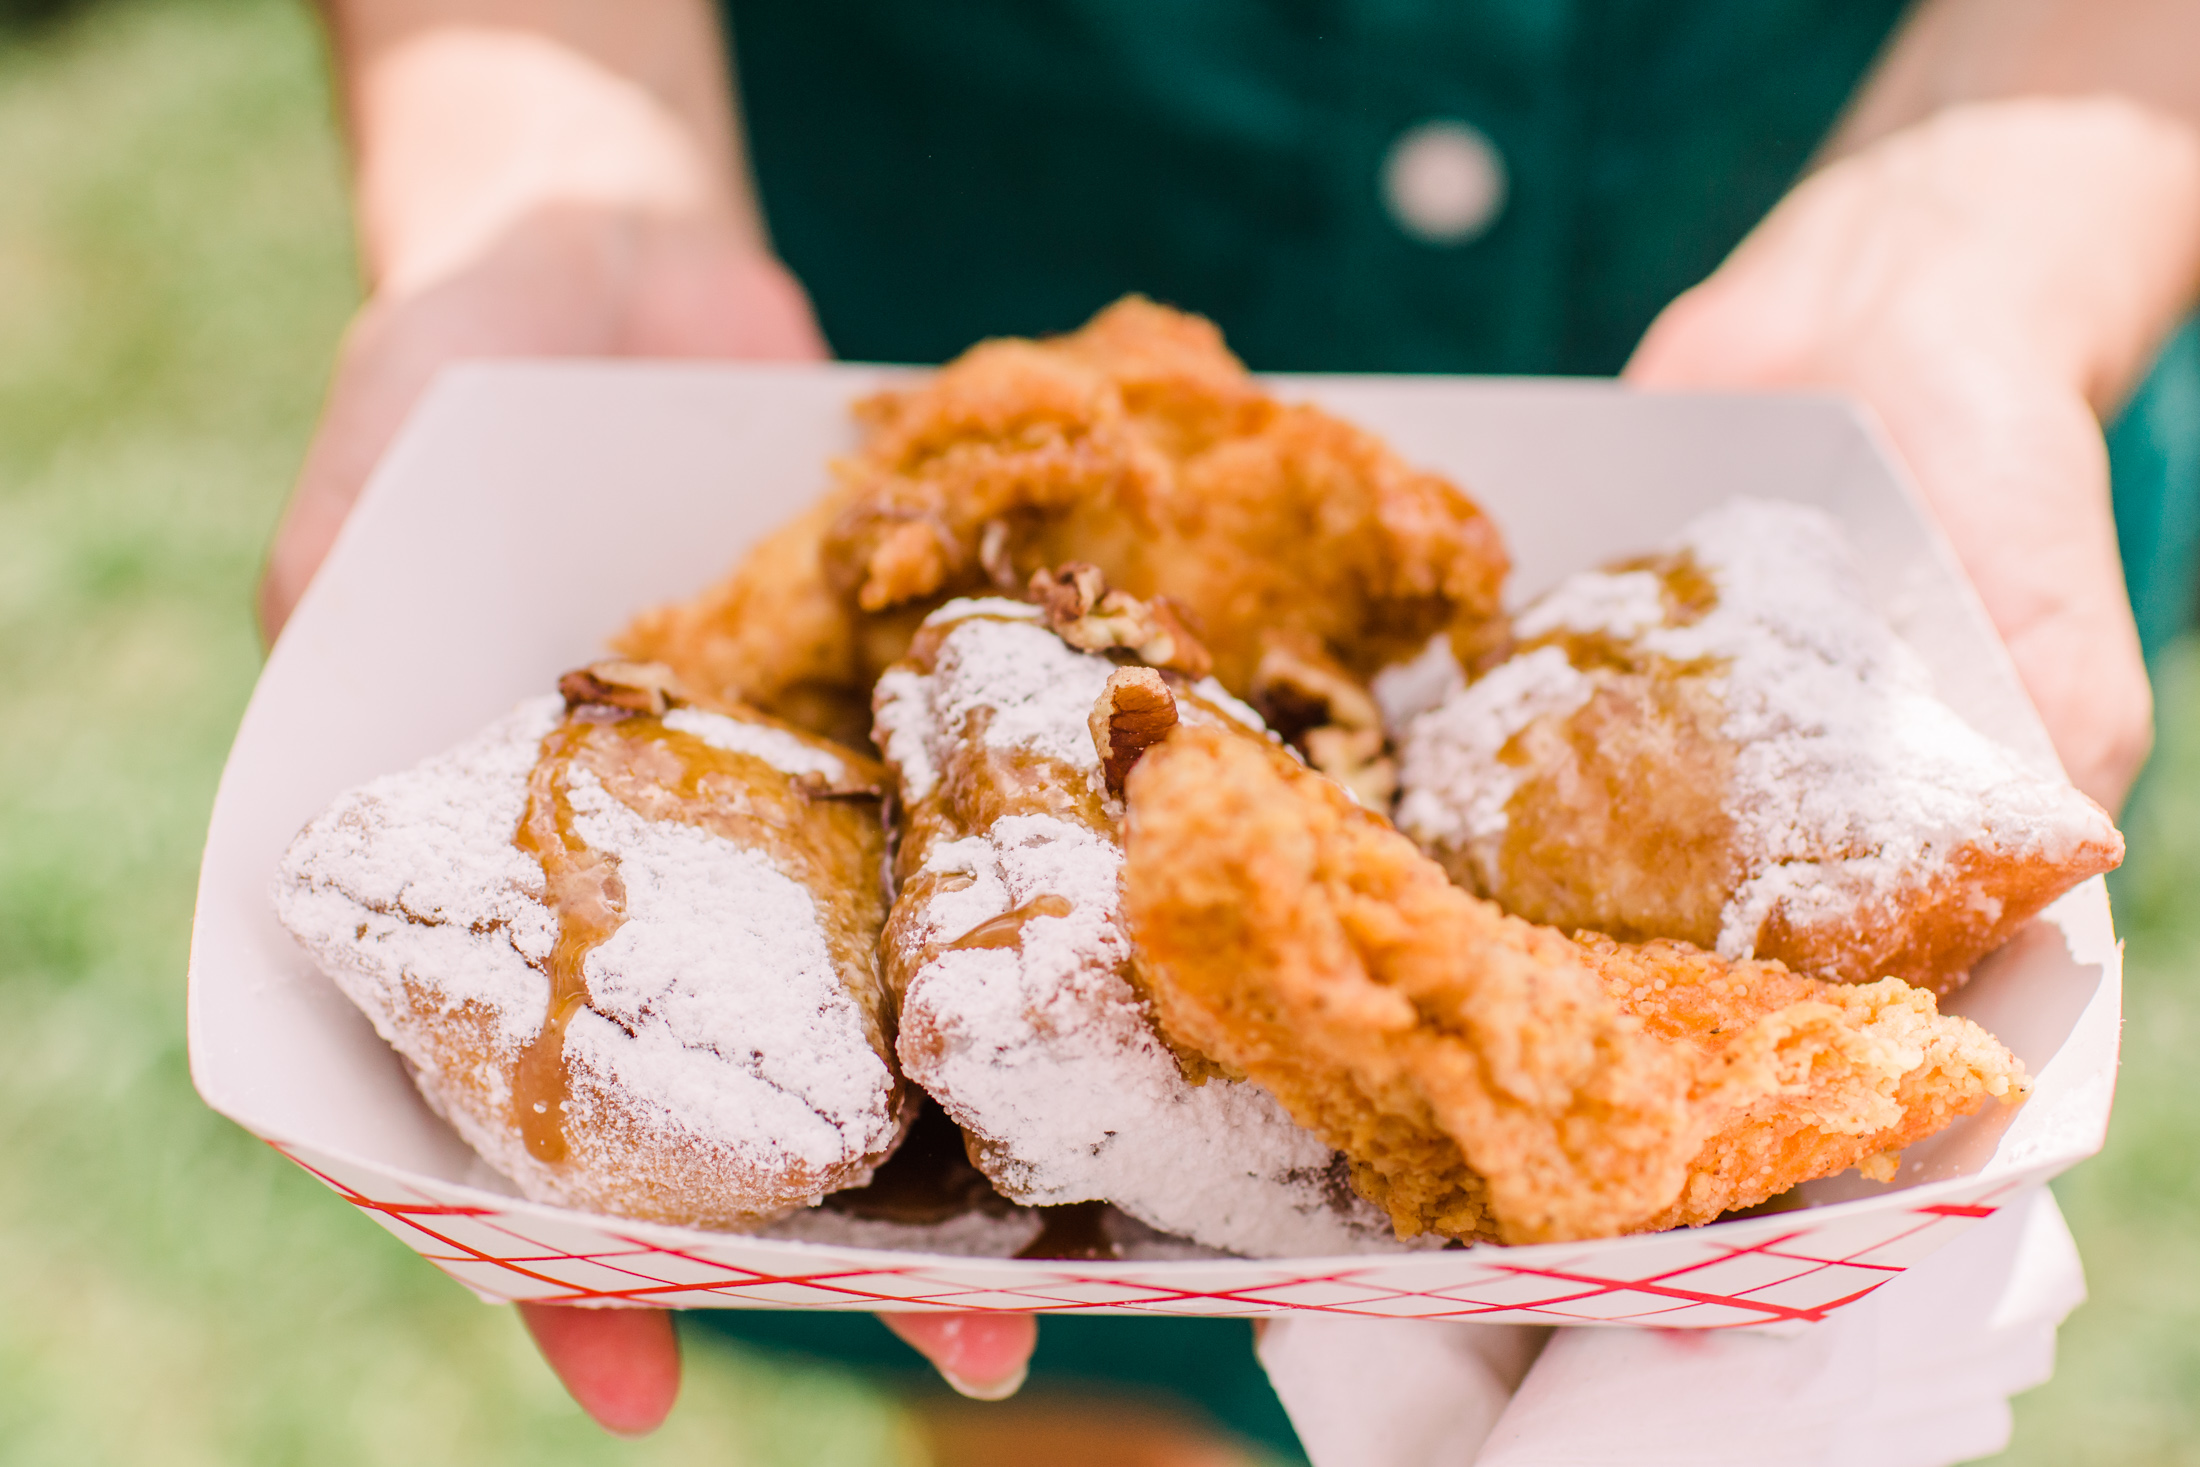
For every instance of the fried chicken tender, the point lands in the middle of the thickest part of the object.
(1138, 444)
(1489, 1078)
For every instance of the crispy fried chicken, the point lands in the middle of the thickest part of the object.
(1487, 1077)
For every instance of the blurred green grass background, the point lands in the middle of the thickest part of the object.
(175, 268)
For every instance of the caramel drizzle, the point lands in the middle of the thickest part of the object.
(584, 888)
(977, 785)
(1622, 823)
(818, 835)
(1007, 930)
(1689, 595)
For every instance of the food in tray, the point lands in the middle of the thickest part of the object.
(1138, 444)
(1020, 1007)
(928, 1198)
(1723, 743)
(627, 944)
(1159, 978)
(1490, 1078)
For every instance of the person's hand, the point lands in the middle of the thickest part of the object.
(623, 1365)
(1989, 282)
(533, 179)
(563, 281)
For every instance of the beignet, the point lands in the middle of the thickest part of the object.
(1021, 1011)
(628, 952)
(1724, 744)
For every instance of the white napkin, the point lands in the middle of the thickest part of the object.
(1917, 1375)
(1393, 1392)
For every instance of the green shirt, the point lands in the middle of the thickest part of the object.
(937, 172)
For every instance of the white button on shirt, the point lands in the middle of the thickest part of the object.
(1444, 182)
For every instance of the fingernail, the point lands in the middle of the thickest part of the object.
(992, 1390)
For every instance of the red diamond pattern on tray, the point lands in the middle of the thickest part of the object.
(1790, 1269)
(1321, 1293)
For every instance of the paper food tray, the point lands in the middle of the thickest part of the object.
(529, 509)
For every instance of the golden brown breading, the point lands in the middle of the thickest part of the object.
(1139, 444)
(1825, 1103)
(1489, 1077)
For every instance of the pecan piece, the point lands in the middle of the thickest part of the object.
(1082, 611)
(636, 687)
(1315, 705)
(1299, 686)
(1171, 643)
(1354, 758)
(1134, 712)
(1068, 593)
(994, 556)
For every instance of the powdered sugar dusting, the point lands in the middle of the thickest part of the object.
(975, 1234)
(1037, 690)
(1852, 782)
(424, 862)
(1044, 1050)
(1627, 604)
(1455, 785)
(1404, 691)
(720, 1047)
(722, 977)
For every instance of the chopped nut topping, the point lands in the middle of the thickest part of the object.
(1133, 713)
(1355, 759)
(1299, 686)
(1068, 594)
(1173, 645)
(1086, 614)
(1312, 702)
(993, 554)
(637, 687)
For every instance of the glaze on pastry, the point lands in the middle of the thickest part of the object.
(1722, 743)
(1021, 1009)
